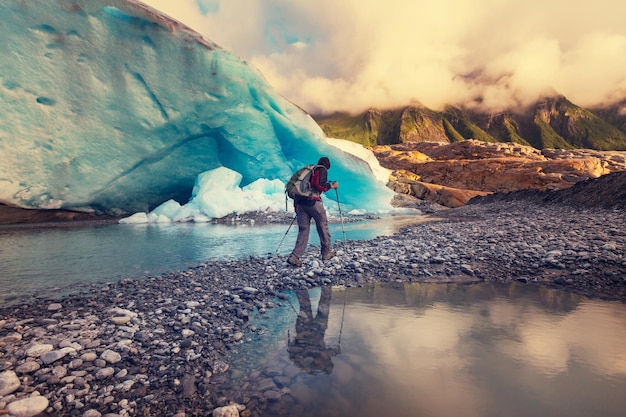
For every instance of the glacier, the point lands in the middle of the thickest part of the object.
(108, 106)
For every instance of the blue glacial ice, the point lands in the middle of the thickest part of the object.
(109, 106)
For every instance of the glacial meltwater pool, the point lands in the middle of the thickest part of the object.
(406, 350)
(33, 261)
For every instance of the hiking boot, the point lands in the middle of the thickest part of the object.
(328, 255)
(293, 260)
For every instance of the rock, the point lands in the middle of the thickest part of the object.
(452, 174)
(104, 372)
(89, 356)
(266, 384)
(76, 363)
(28, 407)
(54, 355)
(10, 338)
(466, 269)
(229, 410)
(119, 320)
(122, 312)
(59, 371)
(111, 356)
(219, 367)
(28, 367)
(68, 343)
(9, 382)
(272, 395)
(36, 351)
(189, 385)
(54, 307)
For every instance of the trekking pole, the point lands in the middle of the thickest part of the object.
(340, 215)
(285, 235)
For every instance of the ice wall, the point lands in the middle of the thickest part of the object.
(109, 106)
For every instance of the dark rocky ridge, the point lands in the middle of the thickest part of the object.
(605, 192)
(16, 215)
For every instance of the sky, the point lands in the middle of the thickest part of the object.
(350, 55)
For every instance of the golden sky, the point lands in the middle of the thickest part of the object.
(349, 55)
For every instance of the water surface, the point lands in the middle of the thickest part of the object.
(444, 350)
(35, 260)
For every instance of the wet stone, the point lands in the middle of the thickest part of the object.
(282, 381)
(266, 384)
(59, 371)
(272, 395)
(89, 356)
(28, 407)
(92, 413)
(104, 372)
(10, 339)
(228, 410)
(9, 382)
(76, 363)
(54, 355)
(111, 356)
(36, 351)
(27, 367)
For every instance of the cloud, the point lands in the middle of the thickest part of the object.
(350, 55)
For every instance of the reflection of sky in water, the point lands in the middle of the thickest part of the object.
(484, 350)
(34, 259)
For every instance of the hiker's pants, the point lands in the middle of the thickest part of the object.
(304, 214)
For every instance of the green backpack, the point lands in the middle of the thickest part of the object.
(300, 183)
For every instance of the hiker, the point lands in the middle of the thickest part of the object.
(311, 207)
(308, 349)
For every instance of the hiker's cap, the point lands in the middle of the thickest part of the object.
(324, 161)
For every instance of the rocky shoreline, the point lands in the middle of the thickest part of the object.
(162, 345)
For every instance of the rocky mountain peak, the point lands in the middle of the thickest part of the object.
(552, 122)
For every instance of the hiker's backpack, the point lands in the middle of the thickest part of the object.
(300, 183)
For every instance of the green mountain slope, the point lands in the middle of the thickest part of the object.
(553, 122)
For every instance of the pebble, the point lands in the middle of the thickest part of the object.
(28, 407)
(9, 382)
(228, 410)
(138, 347)
(89, 356)
(39, 349)
(104, 372)
(28, 367)
(111, 356)
(54, 355)
(121, 319)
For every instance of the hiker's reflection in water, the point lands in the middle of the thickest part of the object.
(308, 350)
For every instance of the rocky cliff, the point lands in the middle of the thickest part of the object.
(452, 174)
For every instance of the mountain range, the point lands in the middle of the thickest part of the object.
(552, 122)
